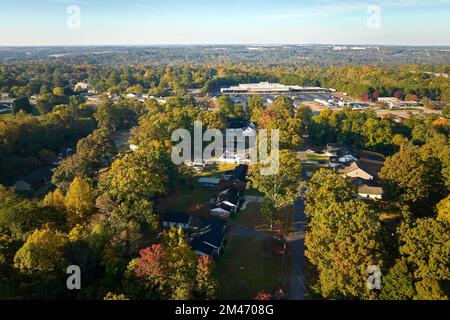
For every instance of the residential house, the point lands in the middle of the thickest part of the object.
(225, 203)
(370, 191)
(208, 239)
(335, 150)
(177, 220)
(356, 170)
(209, 183)
(347, 158)
(240, 127)
(34, 180)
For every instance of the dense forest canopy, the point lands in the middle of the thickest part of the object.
(369, 81)
(287, 55)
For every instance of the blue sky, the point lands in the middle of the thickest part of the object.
(141, 22)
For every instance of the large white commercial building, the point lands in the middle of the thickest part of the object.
(271, 88)
(394, 103)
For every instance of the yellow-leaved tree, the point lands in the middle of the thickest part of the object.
(43, 252)
(80, 201)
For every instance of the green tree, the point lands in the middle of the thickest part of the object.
(253, 103)
(169, 268)
(325, 187)
(282, 188)
(426, 246)
(20, 217)
(79, 201)
(429, 289)
(443, 210)
(93, 153)
(446, 111)
(343, 241)
(58, 91)
(43, 252)
(21, 104)
(398, 284)
(406, 177)
(207, 284)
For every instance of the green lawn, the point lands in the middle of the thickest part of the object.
(251, 217)
(216, 170)
(246, 269)
(315, 157)
(184, 199)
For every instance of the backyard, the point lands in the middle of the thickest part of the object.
(240, 271)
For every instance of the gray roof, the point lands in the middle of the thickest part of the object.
(37, 177)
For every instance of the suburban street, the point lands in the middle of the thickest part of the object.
(298, 287)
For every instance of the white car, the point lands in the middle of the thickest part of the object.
(309, 151)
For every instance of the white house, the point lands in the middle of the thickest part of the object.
(370, 192)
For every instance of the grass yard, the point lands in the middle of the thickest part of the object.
(246, 269)
(216, 170)
(251, 217)
(316, 157)
(182, 200)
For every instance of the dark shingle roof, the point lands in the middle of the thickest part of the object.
(230, 195)
(176, 217)
(38, 177)
(210, 234)
(240, 172)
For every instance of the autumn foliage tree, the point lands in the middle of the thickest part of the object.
(79, 201)
(43, 252)
(206, 287)
(169, 267)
